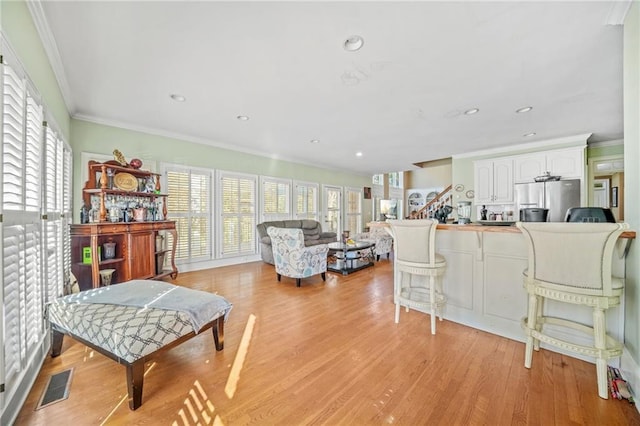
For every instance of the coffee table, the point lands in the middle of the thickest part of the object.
(347, 258)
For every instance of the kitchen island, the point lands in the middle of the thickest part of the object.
(484, 286)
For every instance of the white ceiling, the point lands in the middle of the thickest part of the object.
(399, 100)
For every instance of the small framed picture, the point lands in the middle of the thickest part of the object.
(614, 196)
(367, 192)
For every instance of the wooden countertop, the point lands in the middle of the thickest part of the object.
(503, 229)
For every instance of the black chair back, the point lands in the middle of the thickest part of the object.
(589, 214)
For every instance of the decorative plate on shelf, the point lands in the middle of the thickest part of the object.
(470, 193)
(125, 181)
(459, 187)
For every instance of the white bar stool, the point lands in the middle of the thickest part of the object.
(414, 254)
(571, 263)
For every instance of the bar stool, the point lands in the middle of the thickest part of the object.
(414, 254)
(571, 263)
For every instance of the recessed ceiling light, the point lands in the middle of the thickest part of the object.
(524, 109)
(242, 118)
(472, 111)
(353, 43)
(314, 141)
(359, 154)
(178, 98)
(528, 135)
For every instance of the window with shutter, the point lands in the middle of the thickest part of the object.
(35, 209)
(22, 243)
(238, 214)
(57, 202)
(276, 199)
(306, 200)
(189, 205)
(353, 210)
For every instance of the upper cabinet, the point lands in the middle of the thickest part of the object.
(494, 181)
(527, 167)
(566, 163)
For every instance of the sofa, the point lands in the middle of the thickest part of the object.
(311, 229)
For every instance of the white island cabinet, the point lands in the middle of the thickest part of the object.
(484, 287)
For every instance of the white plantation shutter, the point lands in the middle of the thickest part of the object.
(238, 214)
(67, 206)
(21, 235)
(189, 205)
(276, 199)
(34, 236)
(13, 288)
(53, 165)
(13, 118)
(57, 202)
(22, 295)
(54, 258)
(33, 294)
(306, 200)
(33, 153)
(353, 210)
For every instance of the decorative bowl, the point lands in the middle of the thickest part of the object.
(135, 163)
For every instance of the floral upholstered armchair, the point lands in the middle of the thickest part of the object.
(292, 258)
(381, 238)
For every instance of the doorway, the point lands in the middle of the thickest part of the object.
(606, 183)
(332, 209)
(600, 193)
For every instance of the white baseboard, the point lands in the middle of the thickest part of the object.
(197, 266)
(630, 372)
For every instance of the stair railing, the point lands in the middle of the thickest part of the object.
(443, 198)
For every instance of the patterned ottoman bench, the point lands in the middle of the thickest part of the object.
(134, 321)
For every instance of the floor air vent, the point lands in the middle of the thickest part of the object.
(57, 389)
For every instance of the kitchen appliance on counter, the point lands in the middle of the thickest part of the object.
(590, 214)
(557, 196)
(534, 214)
(464, 212)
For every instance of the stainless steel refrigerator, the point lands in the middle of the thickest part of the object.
(557, 196)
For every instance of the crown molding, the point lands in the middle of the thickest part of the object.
(615, 142)
(51, 49)
(618, 12)
(567, 141)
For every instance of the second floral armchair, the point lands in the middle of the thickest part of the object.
(381, 238)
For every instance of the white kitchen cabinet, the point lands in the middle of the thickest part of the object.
(527, 167)
(493, 181)
(566, 163)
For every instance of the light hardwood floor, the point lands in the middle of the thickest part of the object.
(329, 353)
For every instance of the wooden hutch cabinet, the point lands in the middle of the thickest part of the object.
(124, 206)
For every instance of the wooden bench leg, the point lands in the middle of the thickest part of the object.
(56, 343)
(218, 333)
(135, 380)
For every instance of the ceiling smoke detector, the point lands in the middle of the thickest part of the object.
(353, 43)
